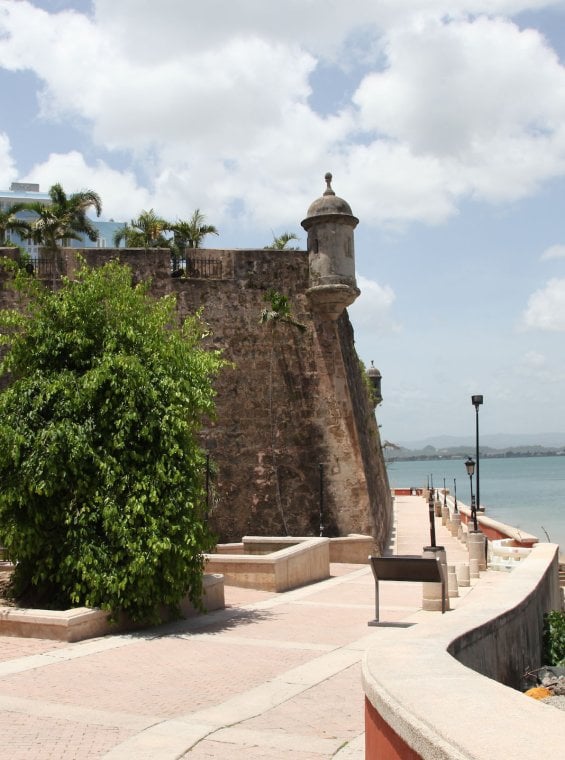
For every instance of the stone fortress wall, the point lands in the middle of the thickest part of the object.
(295, 430)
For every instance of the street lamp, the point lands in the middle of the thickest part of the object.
(431, 514)
(477, 401)
(321, 473)
(470, 467)
(455, 496)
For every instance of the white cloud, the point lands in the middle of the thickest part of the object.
(449, 86)
(534, 360)
(481, 97)
(212, 101)
(8, 171)
(387, 183)
(372, 310)
(120, 194)
(546, 307)
(156, 30)
(554, 252)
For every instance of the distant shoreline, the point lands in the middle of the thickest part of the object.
(420, 457)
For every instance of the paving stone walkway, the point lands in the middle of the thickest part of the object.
(271, 676)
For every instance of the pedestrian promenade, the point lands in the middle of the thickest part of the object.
(271, 676)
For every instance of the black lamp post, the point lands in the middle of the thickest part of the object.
(455, 496)
(431, 513)
(470, 466)
(477, 401)
(444, 495)
(321, 473)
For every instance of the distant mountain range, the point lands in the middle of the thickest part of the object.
(495, 441)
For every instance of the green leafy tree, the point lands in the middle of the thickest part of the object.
(281, 243)
(147, 231)
(191, 233)
(65, 217)
(101, 476)
(11, 222)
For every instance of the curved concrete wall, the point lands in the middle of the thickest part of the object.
(422, 702)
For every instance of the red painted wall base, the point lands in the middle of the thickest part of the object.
(381, 742)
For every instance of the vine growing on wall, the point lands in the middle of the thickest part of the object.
(554, 638)
(278, 312)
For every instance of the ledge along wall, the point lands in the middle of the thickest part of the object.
(291, 400)
(439, 689)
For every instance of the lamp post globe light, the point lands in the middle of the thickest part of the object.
(470, 467)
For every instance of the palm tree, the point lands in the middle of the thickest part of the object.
(147, 231)
(64, 218)
(279, 311)
(10, 222)
(281, 242)
(189, 234)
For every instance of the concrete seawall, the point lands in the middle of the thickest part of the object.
(430, 691)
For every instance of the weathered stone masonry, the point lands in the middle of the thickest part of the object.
(291, 401)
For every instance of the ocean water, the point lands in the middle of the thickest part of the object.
(526, 492)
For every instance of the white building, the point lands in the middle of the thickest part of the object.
(28, 192)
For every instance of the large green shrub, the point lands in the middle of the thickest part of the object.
(101, 474)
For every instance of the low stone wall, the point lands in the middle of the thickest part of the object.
(83, 623)
(494, 529)
(437, 690)
(407, 491)
(279, 563)
(302, 560)
(269, 544)
(504, 554)
(355, 550)
(233, 548)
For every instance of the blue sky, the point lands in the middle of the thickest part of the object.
(443, 124)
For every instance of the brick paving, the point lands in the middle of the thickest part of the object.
(33, 737)
(162, 677)
(13, 647)
(273, 676)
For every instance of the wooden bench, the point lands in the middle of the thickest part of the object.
(406, 568)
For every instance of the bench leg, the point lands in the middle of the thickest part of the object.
(376, 620)
(443, 594)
